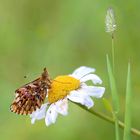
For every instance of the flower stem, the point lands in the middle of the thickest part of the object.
(109, 119)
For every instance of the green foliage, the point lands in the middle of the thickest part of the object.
(115, 97)
(107, 105)
(128, 106)
(113, 87)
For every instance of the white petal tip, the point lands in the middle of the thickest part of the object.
(65, 114)
(89, 103)
(90, 106)
(102, 92)
(47, 122)
(98, 81)
(93, 77)
(32, 120)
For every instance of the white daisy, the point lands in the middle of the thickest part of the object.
(69, 87)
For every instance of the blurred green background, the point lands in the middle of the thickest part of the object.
(63, 35)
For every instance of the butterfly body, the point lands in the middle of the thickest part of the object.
(32, 95)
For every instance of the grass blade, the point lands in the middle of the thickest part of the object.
(113, 87)
(127, 129)
(115, 97)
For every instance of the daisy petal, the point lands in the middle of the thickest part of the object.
(51, 115)
(33, 120)
(83, 99)
(93, 91)
(93, 77)
(39, 113)
(82, 71)
(62, 106)
(88, 102)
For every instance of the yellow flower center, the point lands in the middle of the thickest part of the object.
(61, 86)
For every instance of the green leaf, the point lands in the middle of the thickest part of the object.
(113, 87)
(107, 105)
(127, 129)
(115, 97)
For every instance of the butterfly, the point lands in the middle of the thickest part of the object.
(31, 96)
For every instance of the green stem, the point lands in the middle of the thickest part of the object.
(113, 53)
(109, 119)
(116, 126)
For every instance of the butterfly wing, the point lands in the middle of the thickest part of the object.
(29, 97)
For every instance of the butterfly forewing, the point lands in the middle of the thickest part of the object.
(31, 96)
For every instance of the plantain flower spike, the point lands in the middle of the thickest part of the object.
(110, 21)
